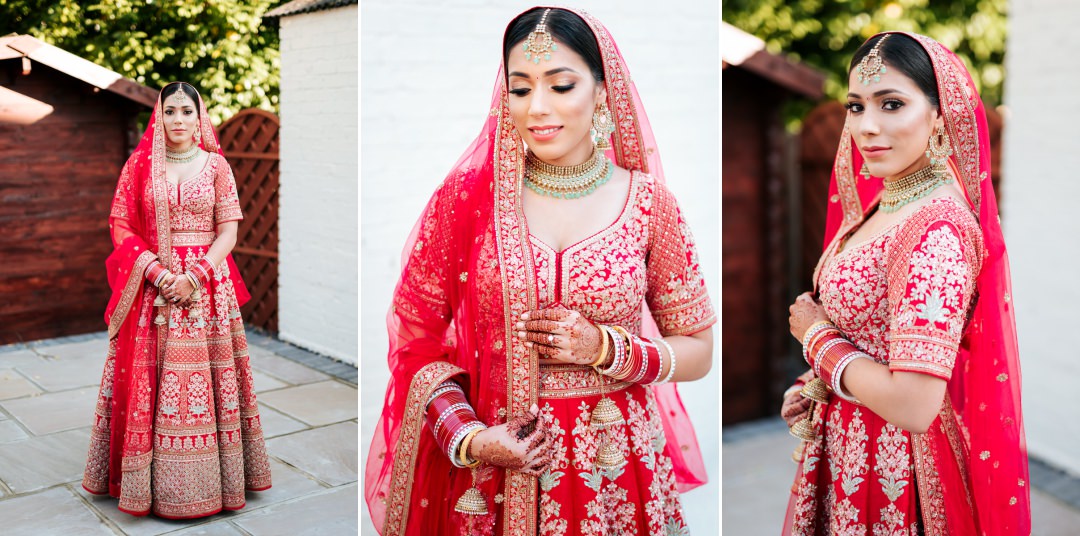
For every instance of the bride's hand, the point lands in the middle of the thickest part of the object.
(804, 313)
(522, 444)
(562, 334)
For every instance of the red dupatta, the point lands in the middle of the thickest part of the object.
(985, 386)
(139, 224)
(447, 321)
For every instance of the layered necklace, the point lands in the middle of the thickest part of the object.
(567, 182)
(176, 157)
(910, 188)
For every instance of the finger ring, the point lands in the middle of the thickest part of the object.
(551, 339)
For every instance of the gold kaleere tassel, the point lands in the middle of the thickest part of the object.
(606, 415)
(160, 303)
(609, 457)
(472, 502)
(818, 393)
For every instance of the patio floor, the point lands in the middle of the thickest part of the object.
(758, 473)
(308, 407)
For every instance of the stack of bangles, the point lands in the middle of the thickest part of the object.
(453, 422)
(199, 275)
(632, 358)
(828, 353)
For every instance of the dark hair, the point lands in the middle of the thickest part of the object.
(906, 55)
(173, 87)
(566, 27)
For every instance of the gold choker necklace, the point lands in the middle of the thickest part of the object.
(567, 182)
(176, 157)
(910, 188)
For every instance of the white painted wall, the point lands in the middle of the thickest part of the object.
(1040, 189)
(317, 297)
(427, 70)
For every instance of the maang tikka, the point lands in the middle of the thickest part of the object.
(872, 66)
(539, 43)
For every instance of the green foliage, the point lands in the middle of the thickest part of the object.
(825, 34)
(220, 46)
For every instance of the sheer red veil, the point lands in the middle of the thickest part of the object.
(444, 323)
(985, 385)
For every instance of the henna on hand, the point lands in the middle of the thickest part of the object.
(497, 454)
(585, 341)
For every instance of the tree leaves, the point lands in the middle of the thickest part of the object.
(825, 34)
(222, 47)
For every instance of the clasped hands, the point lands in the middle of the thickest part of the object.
(177, 289)
(560, 333)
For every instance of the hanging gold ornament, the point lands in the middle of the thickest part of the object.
(471, 503)
(609, 456)
(605, 414)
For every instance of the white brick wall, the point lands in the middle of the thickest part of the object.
(317, 280)
(427, 74)
(1040, 191)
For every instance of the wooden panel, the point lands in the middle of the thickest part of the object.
(250, 142)
(56, 185)
(746, 328)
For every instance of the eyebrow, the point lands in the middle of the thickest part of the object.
(557, 70)
(878, 93)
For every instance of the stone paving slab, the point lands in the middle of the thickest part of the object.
(54, 412)
(65, 374)
(94, 348)
(41, 462)
(15, 385)
(329, 513)
(275, 423)
(288, 483)
(328, 453)
(11, 431)
(218, 528)
(264, 382)
(18, 358)
(315, 404)
(283, 369)
(56, 511)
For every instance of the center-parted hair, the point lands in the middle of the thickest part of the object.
(565, 27)
(907, 56)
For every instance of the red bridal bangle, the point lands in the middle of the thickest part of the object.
(641, 361)
(450, 418)
(203, 271)
(155, 272)
(832, 353)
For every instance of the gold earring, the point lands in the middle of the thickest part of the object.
(938, 151)
(602, 127)
(198, 135)
(864, 171)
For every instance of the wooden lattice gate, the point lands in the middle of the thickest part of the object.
(250, 142)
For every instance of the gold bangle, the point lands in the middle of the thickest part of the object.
(463, 452)
(604, 337)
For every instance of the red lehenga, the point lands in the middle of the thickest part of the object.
(176, 428)
(929, 294)
(471, 267)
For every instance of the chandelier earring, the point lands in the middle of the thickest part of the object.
(938, 151)
(198, 135)
(864, 171)
(602, 127)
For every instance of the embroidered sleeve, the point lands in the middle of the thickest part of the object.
(676, 292)
(226, 201)
(930, 286)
